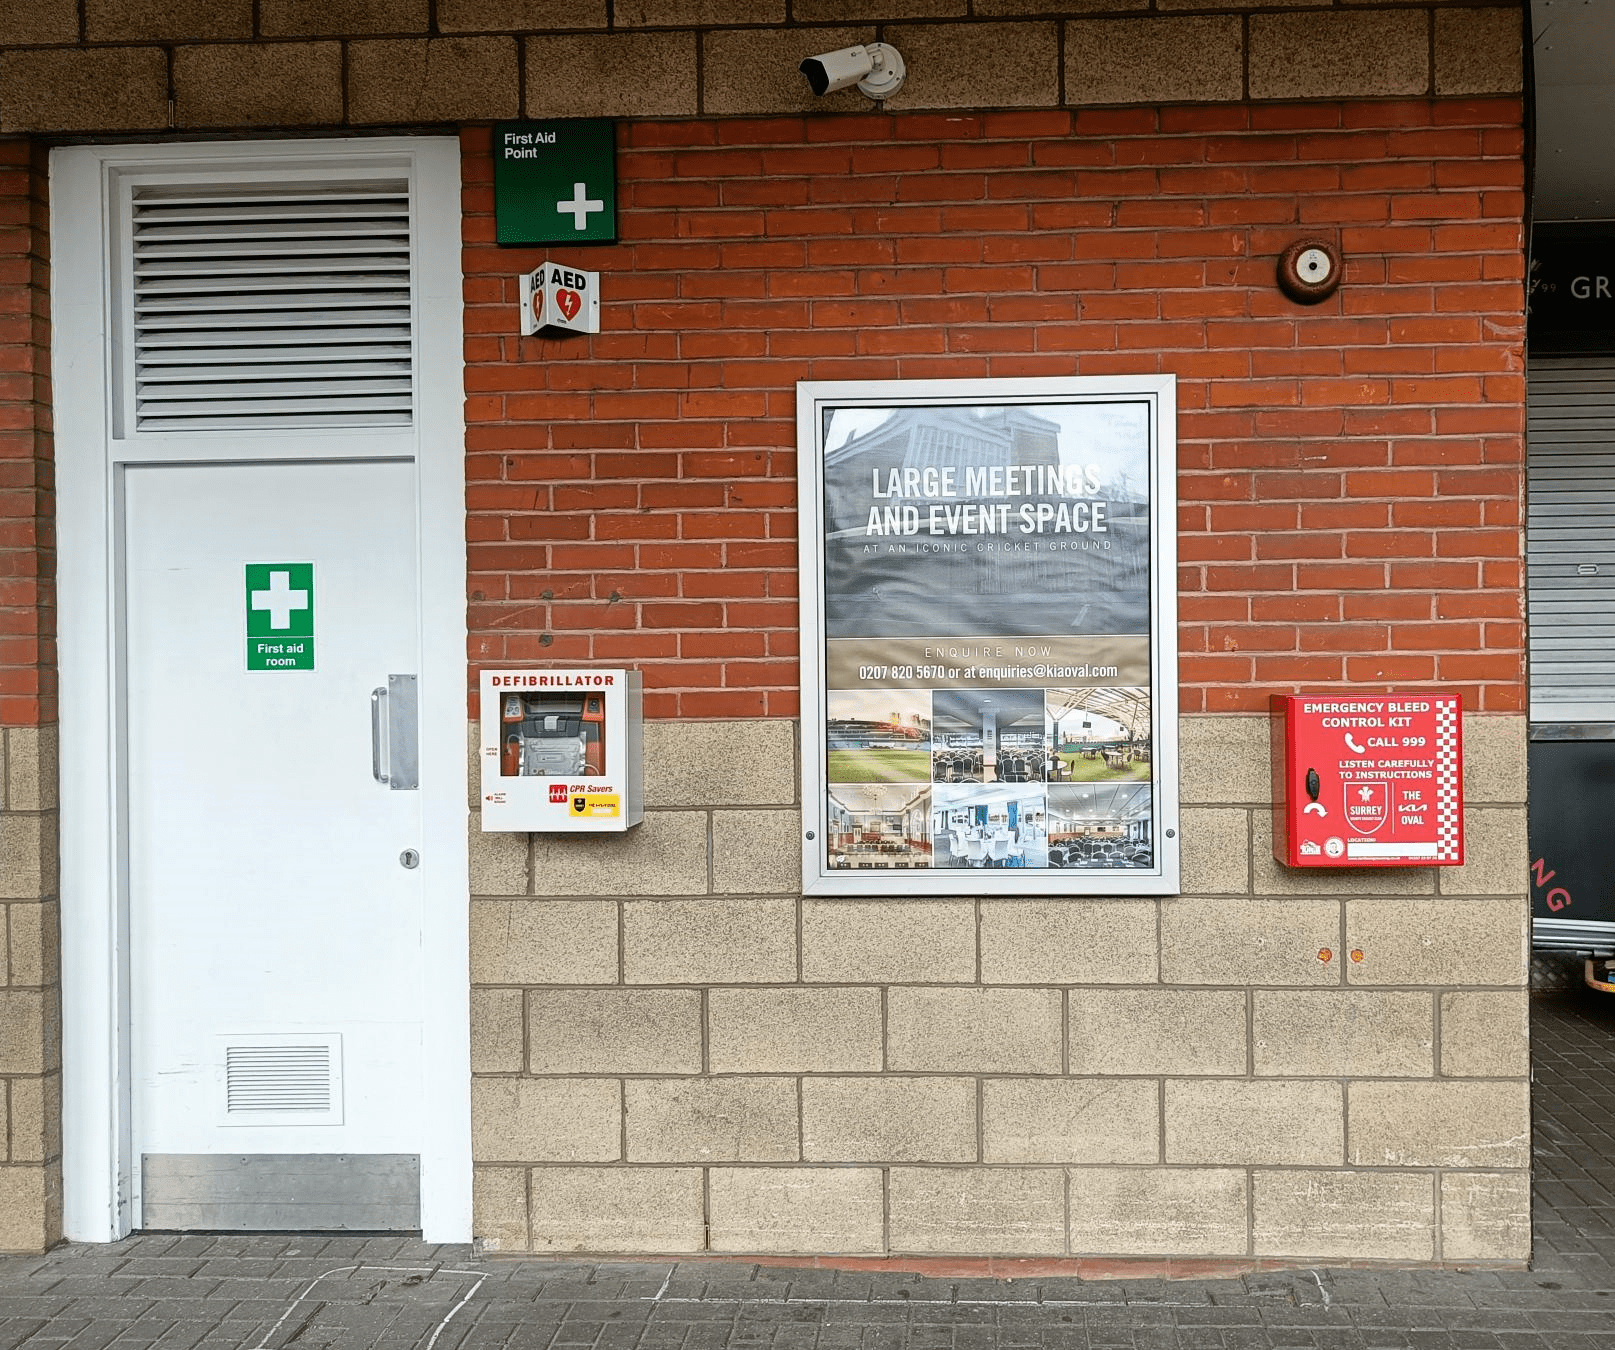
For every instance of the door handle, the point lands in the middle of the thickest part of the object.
(395, 734)
(378, 719)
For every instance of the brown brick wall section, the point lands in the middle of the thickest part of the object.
(1350, 473)
(27, 538)
(30, 1078)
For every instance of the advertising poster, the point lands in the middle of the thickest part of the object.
(993, 611)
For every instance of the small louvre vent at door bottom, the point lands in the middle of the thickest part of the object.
(270, 307)
(282, 1080)
(275, 1078)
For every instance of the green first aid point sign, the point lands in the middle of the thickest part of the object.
(555, 182)
(280, 616)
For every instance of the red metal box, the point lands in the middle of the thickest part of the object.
(1368, 780)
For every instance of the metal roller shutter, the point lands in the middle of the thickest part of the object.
(1570, 534)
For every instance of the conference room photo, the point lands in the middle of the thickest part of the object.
(989, 825)
(1101, 825)
(879, 825)
(987, 736)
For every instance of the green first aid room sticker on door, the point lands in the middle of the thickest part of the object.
(280, 616)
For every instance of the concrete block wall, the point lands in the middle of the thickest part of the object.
(675, 1051)
(30, 1026)
(129, 65)
(30, 992)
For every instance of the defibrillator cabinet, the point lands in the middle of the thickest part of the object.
(562, 750)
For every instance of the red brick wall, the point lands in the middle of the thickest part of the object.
(1350, 474)
(27, 514)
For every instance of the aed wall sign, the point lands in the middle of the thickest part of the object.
(560, 297)
(1368, 780)
(280, 616)
(555, 182)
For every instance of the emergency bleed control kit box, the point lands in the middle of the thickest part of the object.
(562, 751)
(1368, 780)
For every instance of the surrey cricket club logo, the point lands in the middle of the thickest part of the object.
(1368, 806)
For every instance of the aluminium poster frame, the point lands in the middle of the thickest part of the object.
(989, 625)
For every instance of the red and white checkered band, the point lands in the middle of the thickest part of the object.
(1448, 798)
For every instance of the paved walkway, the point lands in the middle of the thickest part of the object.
(335, 1293)
(1573, 1131)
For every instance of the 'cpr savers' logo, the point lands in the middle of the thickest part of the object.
(558, 793)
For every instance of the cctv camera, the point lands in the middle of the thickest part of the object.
(877, 70)
(835, 71)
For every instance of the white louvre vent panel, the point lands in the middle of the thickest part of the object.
(1570, 538)
(293, 1078)
(269, 307)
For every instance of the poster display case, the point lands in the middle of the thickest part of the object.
(989, 628)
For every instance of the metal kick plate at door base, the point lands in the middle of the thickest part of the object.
(410, 859)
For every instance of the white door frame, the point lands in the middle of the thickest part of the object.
(98, 1158)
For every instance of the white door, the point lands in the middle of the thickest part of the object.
(274, 914)
(260, 436)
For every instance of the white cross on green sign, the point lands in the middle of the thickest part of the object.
(280, 616)
(555, 182)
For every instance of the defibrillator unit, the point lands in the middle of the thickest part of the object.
(561, 750)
